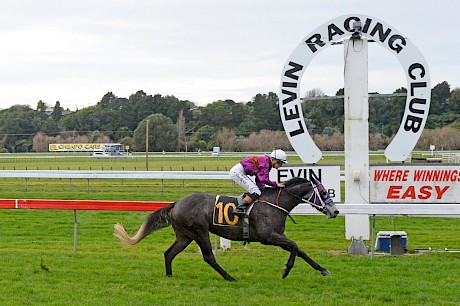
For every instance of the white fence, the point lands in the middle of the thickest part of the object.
(97, 174)
(302, 209)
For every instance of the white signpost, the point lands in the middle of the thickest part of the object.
(360, 28)
(329, 175)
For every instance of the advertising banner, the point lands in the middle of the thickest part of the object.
(415, 184)
(75, 147)
(329, 175)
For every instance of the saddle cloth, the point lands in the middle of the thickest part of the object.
(223, 211)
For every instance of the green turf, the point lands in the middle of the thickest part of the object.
(39, 267)
(102, 272)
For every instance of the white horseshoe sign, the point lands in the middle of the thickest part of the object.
(410, 58)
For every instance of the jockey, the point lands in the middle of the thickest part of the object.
(258, 166)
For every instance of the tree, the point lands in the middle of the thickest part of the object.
(19, 124)
(246, 128)
(57, 111)
(333, 142)
(162, 134)
(202, 138)
(439, 96)
(445, 138)
(454, 102)
(122, 132)
(265, 112)
(144, 105)
(69, 123)
(216, 114)
(314, 93)
(125, 116)
(117, 118)
(181, 138)
(41, 108)
(323, 116)
(394, 112)
(226, 139)
(377, 141)
(86, 119)
(266, 140)
(170, 106)
(40, 142)
(127, 141)
(49, 126)
(108, 101)
(240, 114)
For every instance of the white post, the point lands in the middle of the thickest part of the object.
(356, 135)
(225, 244)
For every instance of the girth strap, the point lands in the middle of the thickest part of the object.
(245, 229)
(246, 225)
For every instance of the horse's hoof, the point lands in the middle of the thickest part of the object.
(284, 273)
(230, 279)
(170, 275)
(325, 272)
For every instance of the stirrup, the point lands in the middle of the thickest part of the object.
(240, 211)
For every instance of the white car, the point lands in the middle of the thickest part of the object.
(100, 155)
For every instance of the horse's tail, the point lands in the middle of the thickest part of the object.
(155, 221)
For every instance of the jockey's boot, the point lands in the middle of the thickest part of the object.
(247, 200)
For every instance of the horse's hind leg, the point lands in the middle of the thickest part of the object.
(178, 246)
(208, 256)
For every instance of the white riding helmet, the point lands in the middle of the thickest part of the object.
(280, 155)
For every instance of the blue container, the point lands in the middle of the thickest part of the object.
(384, 238)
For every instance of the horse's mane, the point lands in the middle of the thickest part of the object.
(291, 182)
(295, 181)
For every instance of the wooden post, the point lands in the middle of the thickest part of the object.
(147, 145)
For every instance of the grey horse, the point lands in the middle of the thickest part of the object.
(195, 216)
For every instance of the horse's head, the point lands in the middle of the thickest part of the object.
(322, 200)
(315, 194)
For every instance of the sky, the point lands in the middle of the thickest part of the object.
(74, 52)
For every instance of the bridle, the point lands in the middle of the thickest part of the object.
(318, 202)
(315, 199)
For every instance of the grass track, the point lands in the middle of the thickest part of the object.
(103, 272)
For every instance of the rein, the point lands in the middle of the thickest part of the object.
(313, 203)
(277, 206)
(315, 195)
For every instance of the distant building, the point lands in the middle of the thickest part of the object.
(49, 111)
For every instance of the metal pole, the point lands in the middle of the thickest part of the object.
(75, 227)
(373, 236)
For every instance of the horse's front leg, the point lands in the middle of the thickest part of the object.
(286, 244)
(312, 263)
